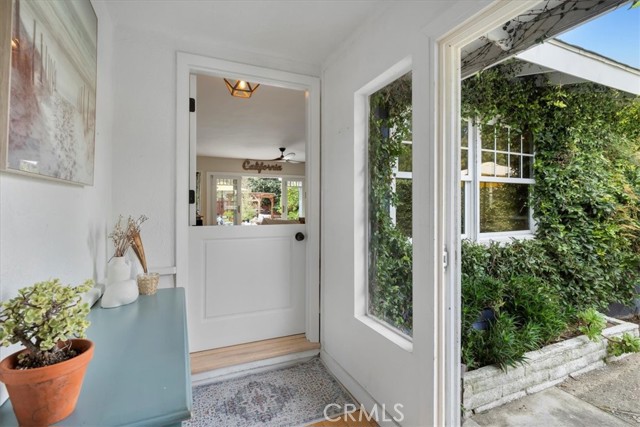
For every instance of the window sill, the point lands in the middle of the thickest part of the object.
(504, 237)
(396, 337)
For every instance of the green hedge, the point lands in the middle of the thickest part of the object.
(528, 315)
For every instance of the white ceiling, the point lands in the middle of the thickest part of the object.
(249, 128)
(305, 31)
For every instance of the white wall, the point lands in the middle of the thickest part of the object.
(56, 230)
(145, 129)
(363, 357)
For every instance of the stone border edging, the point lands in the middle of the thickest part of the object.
(488, 387)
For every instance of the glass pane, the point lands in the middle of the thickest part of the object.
(488, 163)
(514, 162)
(487, 136)
(405, 158)
(390, 268)
(527, 143)
(464, 133)
(464, 161)
(502, 139)
(527, 167)
(463, 206)
(261, 199)
(294, 202)
(502, 165)
(226, 201)
(503, 207)
(404, 220)
(516, 145)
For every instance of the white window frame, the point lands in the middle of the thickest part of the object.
(398, 174)
(472, 182)
(362, 110)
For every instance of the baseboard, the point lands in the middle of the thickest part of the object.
(366, 401)
(258, 366)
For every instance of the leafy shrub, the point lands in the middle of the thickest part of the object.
(591, 323)
(536, 308)
(528, 314)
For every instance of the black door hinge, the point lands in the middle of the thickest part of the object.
(192, 105)
(192, 197)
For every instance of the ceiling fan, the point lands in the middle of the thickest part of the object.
(285, 158)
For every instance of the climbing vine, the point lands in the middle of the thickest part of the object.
(390, 249)
(586, 199)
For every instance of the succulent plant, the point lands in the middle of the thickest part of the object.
(42, 318)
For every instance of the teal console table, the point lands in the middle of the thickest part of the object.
(140, 373)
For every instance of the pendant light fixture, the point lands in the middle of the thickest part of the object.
(241, 88)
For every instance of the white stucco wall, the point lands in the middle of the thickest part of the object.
(377, 369)
(50, 229)
(145, 129)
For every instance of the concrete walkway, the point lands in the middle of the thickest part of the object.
(606, 397)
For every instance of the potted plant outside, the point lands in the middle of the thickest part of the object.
(44, 379)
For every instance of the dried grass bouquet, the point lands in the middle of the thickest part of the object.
(128, 235)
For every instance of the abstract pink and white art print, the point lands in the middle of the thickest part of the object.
(52, 94)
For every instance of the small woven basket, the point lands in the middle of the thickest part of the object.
(148, 283)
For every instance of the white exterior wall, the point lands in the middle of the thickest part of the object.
(56, 230)
(375, 370)
(145, 129)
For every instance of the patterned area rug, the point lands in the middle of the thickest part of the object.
(291, 396)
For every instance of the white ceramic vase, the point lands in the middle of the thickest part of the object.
(118, 270)
(120, 289)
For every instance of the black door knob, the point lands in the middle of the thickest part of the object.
(299, 236)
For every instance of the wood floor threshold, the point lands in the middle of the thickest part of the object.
(353, 419)
(209, 360)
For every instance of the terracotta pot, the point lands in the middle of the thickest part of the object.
(43, 396)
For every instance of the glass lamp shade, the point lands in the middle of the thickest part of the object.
(241, 88)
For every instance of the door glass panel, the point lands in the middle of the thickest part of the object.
(390, 216)
(244, 140)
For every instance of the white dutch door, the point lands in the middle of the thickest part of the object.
(248, 237)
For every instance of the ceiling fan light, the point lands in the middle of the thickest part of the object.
(240, 88)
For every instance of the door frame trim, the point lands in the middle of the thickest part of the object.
(449, 304)
(187, 64)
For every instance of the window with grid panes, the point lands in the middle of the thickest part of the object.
(496, 178)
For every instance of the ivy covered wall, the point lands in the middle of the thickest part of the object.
(586, 199)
